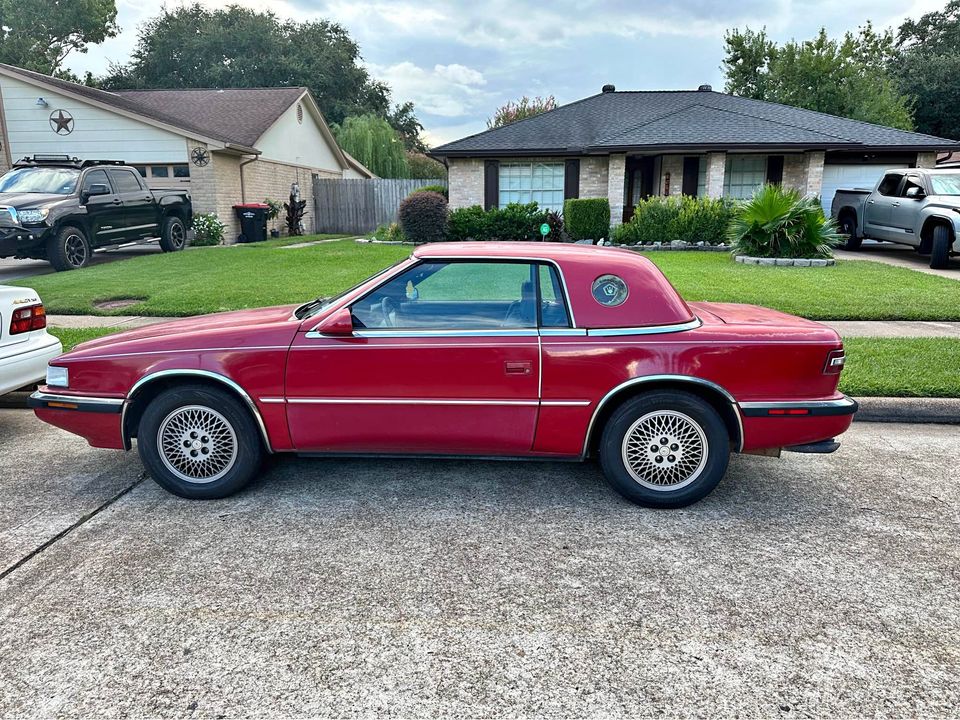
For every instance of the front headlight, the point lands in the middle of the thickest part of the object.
(33, 215)
(58, 376)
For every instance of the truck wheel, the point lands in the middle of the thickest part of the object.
(664, 449)
(199, 442)
(68, 249)
(173, 234)
(848, 228)
(940, 249)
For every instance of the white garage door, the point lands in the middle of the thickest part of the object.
(836, 177)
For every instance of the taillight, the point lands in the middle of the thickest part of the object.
(27, 319)
(835, 361)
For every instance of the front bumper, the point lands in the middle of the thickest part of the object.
(81, 403)
(96, 419)
(18, 241)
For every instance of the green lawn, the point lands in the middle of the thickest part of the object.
(207, 280)
(878, 367)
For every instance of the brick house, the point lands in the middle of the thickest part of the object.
(627, 146)
(226, 146)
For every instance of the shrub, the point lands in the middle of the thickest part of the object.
(469, 223)
(423, 217)
(703, 220)
(587, 218)
(555, 221)
(665, 219)
(389, 233)
(442, 189)
(207, 229)
(781, 223)
(514, 222)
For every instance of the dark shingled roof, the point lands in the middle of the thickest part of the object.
(235, 116)
(682, 119)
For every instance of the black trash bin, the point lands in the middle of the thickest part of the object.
(253, 221)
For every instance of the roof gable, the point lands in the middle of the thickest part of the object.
(670, 118)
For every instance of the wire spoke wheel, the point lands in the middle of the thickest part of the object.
(197, 444)
(75, 250)
(665, 450)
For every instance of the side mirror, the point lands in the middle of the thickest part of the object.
(915, 193)
(340, 323)
(96, 189)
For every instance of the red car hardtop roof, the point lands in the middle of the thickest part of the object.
(651, 299)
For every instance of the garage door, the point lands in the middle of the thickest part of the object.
(836, 177)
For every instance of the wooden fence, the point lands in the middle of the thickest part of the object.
(359, 206)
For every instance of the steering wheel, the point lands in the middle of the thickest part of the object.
(388, 309)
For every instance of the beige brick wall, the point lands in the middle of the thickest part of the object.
(813, 172)
(264, 179)
(794, 172)
(593, 177)
(926, 160)
(616, 187)
(716, 170)
(465, 177)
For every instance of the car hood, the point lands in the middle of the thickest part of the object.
(30, 200)
(945, 200)
(240, 328)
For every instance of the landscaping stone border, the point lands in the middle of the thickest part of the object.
(676, 246)
(787, 262)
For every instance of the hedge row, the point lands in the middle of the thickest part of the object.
(666, 219)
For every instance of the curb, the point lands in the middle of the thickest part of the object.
(943, 411)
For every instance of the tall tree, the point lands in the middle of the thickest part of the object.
(40, 34)
(929, 69)
(195, 46)
(372, 141)
(521, 109)
(847, 77)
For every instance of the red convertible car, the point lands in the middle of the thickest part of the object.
(528, 350)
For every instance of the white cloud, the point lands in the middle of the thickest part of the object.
(448, 91)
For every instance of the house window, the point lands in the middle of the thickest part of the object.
(142, 169)
(181, 171)
(702, 177)
(159, 171)
(524, 182)
(744, 174)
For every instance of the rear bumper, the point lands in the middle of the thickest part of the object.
(785, 424)
(801, 408)
(27, 362)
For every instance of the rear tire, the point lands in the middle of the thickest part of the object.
(199, 442)
(940, 248)
(848, 228)
(173, 234)
(664, 449)
(69, 249)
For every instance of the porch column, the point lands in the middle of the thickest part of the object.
(616, 187)
(926, 160)
(813, 173)
(716, 170)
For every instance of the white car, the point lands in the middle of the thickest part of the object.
(25, 345)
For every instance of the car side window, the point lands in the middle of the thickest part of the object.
(553, 308)
(451, 295)
(95, 177)
(911, 181)
(888, 186)
(126, 181)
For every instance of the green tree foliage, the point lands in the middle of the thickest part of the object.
(372, 141)
(425, 168)
(524, 107)
(929, 69)
(40, 34)
(847, 77)
(196, 46)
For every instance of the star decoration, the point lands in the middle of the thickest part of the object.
(61, 122)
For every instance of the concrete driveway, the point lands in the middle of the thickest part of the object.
(808, 586)
(900, 256)
(16, 270)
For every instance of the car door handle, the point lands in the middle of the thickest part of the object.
(896, 204)
(870, 202)
(517, 368)
(117, 201)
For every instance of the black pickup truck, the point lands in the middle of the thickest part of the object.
(57, 208)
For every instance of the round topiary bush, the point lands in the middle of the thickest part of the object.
(423, 217)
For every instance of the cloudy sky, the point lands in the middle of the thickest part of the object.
(459, 60)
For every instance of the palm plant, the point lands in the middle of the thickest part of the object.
(777, 222)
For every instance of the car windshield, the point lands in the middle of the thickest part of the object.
(56, 181)
(945, 184)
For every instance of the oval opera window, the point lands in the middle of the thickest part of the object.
(609, 290)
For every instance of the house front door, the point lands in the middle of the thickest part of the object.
(641, 177)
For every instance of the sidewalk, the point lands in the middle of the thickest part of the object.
(846, 328)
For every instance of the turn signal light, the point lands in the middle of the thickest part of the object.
(27, 319)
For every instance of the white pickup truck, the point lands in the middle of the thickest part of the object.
(913, 206)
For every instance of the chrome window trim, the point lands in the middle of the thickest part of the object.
(838, 403)
(403, 267)
(646, 330)
(192, 373)
(563, 332)
(87, 399)
(398, 333)
(661, 378)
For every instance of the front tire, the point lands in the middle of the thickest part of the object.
(848, 228)
(173, 234)
(199, 442)
(664, 449)
(69, 249)
(940, 248)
